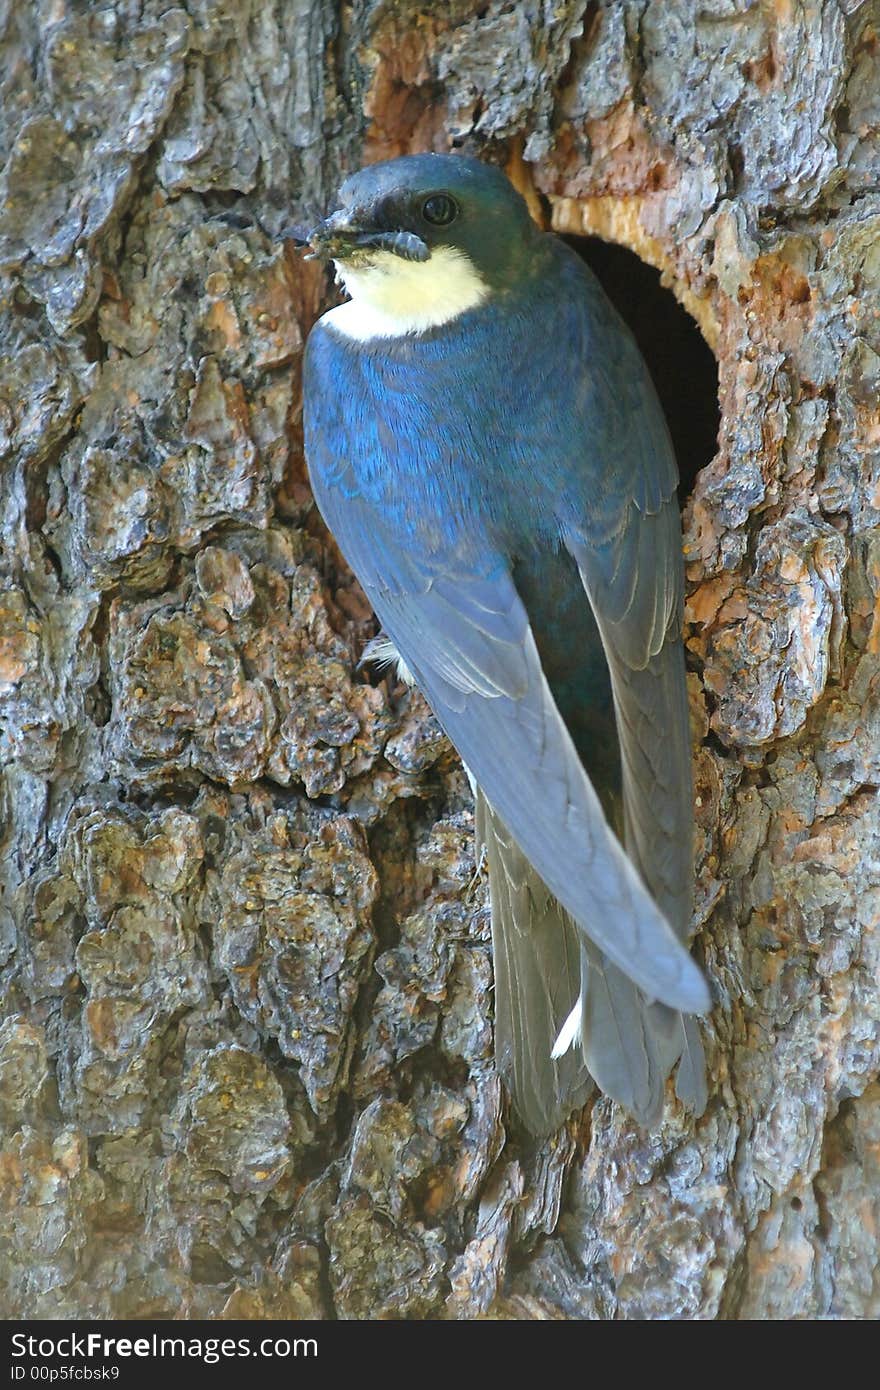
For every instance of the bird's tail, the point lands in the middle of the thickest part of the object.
(565, 1017)
(537, 956)
(630, 1045)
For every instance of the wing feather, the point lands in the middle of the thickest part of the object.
(640, 626)
(466, 638)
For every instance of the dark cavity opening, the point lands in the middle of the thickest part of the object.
(681, 363)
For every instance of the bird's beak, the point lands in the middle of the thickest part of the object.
(297, 233)
(329, 240)
(344, 235)
(337, 237)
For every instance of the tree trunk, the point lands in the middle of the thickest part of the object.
(246, 1049)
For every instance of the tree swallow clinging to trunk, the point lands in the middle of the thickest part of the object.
(485, 444)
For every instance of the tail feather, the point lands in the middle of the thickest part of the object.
(618, 1043)
(690, 1081)
(565, 1016)
(536, 950)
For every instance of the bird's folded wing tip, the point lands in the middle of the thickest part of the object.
(691, 990)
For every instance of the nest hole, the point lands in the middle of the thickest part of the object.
(680, 361)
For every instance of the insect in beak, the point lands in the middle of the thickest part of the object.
(338, 237)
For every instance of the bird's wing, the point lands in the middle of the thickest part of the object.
(634, 587)
(630, 559)
(462, 629)
(629, 555)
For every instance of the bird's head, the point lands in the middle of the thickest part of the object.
(417, 241)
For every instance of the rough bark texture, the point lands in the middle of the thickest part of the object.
(245, 1055)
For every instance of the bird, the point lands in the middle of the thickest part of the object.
(485, 444)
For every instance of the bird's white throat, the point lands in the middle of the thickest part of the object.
(392, 297)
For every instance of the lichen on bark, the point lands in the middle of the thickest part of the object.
(245, 1036)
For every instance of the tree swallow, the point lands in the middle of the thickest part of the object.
(485, 444)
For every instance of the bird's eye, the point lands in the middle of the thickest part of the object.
(440, 209)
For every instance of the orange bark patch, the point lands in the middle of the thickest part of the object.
(781, 298)
(401, 101)
(703, 604)
(221, 318)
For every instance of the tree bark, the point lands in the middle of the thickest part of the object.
(246, 1048)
